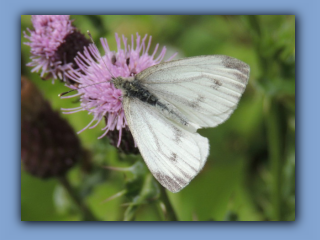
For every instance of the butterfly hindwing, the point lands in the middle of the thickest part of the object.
(173, 154)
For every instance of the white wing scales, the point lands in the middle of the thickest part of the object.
(206, 89)
(173, 155)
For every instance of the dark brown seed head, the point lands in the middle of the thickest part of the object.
(68, 50)
(49, 146)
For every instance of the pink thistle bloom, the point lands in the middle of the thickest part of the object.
(97, 94)
(54, 43)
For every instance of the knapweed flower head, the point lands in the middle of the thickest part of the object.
(97, 94)
(54, 43)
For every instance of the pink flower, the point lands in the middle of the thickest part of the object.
(54, 43)
(97, 94)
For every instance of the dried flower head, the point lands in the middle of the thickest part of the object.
(49, 146)
(97, 94)
(54, 43)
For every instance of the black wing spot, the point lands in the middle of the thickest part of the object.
(196, 104)
(217, 84)
(173, 157)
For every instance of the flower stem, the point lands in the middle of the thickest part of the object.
(275, 145)
(170, 213)
(87, 214)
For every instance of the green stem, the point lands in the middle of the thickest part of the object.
(273, 121)
(170, 213)
(254, 26)
(160, 207)
(87, 214)
(275, 146)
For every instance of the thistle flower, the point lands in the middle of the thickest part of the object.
(54, 43)
(49, 146)
(98, 95)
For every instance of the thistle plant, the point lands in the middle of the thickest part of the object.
(54, 43)
(49, 146)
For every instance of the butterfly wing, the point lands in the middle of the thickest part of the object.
(173, 154)
(206, 89)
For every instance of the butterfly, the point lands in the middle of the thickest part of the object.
(165, 104)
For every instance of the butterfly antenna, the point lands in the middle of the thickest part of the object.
(64, 93)
(101, 57)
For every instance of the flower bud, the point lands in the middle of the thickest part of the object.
(49, 146)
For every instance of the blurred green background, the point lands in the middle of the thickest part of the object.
(250, 173)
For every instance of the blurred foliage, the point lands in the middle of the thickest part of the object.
(250, 173)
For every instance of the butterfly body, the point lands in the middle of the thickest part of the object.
(133, 88)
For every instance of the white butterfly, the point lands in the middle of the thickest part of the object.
(165, 105)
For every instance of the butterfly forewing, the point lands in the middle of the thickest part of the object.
(206, 89)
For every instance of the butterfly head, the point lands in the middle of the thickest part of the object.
(118, 82)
